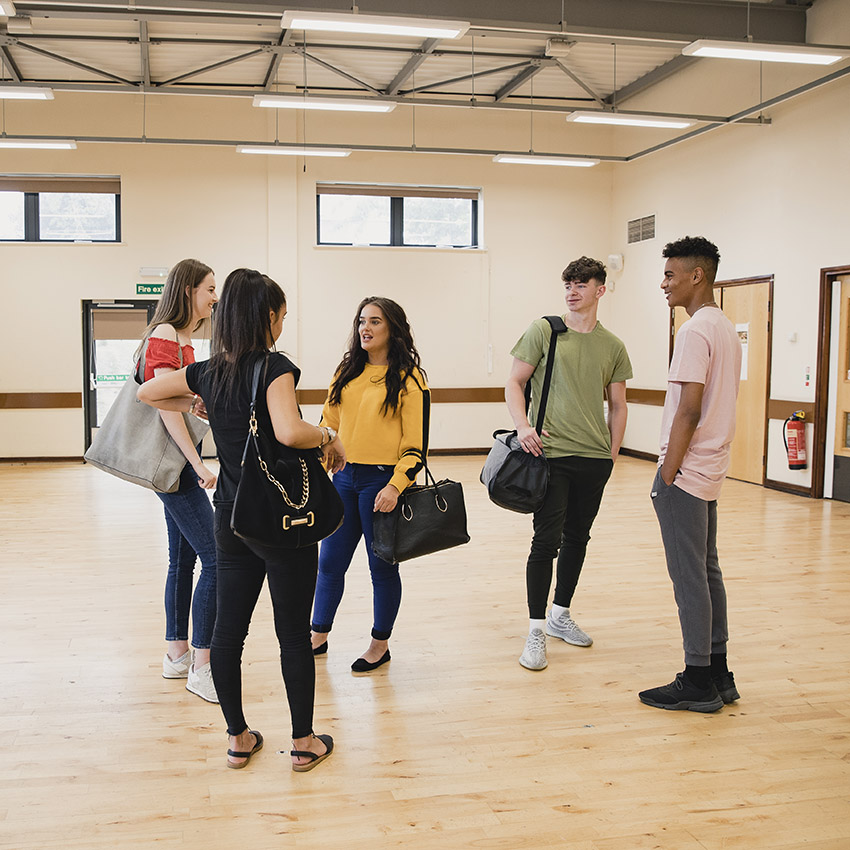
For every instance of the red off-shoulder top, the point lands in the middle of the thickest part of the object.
(163, 354)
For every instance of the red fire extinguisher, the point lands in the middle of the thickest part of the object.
(794, 434)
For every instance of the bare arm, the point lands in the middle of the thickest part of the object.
(170, 394)
(520, 375)
(685, 422)
(618, 413)
(291, 430)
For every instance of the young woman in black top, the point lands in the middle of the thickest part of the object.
(249, 319)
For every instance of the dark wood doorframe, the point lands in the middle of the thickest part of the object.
(828, 277)
(747, 281)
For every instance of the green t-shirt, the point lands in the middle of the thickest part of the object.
(584, 365)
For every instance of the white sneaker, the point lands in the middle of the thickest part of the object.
(534, 655)
(200, 682)
(565, 628)
(178, 669)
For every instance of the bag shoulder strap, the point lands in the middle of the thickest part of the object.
(426, 433)
(558, 326)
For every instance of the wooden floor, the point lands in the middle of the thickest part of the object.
(452, 744)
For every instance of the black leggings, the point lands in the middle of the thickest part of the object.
(241, 570)
(562, 528)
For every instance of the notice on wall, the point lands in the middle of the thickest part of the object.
(149, 288)
(744, 336)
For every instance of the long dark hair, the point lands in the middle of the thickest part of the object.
(175, 304)
(402, 356)
(242, 327)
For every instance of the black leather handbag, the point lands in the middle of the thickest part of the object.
(516, 479)
(285, 499)
(428, 518)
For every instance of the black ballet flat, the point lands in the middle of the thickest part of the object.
(361, 665)
(321, 649)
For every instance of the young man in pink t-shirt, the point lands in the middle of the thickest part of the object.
(697, 428)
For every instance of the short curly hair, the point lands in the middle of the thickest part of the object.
(697, 249)
(584, 269)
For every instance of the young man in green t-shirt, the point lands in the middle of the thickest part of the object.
(579, 445)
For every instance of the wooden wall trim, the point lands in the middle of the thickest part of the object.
(439, 395)
(779, 408)
(39, 401)
(635, 395)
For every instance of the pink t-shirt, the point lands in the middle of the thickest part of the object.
(708, 352)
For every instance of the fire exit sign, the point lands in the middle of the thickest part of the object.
(149, 288)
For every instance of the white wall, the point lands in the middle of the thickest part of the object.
(234, 210)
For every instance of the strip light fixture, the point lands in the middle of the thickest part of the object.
(282, 150)
(757, 52)
(39, 144)
(7, 8)
(624, 119)
(534, 159)
(373, 24)
(25, 93)
(294, 101)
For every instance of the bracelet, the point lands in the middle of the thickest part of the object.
(195, 399)
(324, 436)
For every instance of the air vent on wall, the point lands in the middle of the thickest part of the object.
(641, 229)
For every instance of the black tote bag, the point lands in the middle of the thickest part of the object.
(285, 499)
(427, 518)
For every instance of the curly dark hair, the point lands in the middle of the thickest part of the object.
(583, 270)
(699, 250)
(402, 357)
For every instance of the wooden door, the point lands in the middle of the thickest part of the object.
(747, 304)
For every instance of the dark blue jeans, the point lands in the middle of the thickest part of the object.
(189, 520)
(357, 484)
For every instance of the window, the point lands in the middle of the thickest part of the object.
(60, 209)
(432, 217)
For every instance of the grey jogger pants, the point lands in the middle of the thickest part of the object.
(689, 531)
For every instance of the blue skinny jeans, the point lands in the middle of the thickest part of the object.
(357, 484)
(189, 520)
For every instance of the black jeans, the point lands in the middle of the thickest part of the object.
(562, 528)
(292, 582)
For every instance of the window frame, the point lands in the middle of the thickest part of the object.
(32, 187)
(397, 194)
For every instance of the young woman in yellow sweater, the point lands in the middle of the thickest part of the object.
(375, 402)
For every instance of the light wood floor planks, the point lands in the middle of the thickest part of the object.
(453, 744)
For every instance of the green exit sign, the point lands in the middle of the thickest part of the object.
(149, 288)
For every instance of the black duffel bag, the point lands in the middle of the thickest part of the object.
(515, 479)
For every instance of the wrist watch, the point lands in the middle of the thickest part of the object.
(331, 434)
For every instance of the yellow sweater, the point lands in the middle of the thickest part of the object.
(370, 436)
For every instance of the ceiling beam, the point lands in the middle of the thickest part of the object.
(73, 62)
(578, 80)
(11, 67)
(461, 79)
(212, 67)
(344, 74)
(523, 76)
(413, 63)
(144, 52)
(656, 75)
(271, 71)
(722, 19)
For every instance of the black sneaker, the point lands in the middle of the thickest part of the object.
(681, 695)
(725, 685)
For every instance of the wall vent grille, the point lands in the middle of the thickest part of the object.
(641, 229)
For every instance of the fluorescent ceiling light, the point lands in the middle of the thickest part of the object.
(374, 24)
(25, 93)
(532, 159)
(281, 150)
(7, 8)
(294, 101)
(43, 144)
(798, 53)
(628, 119)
